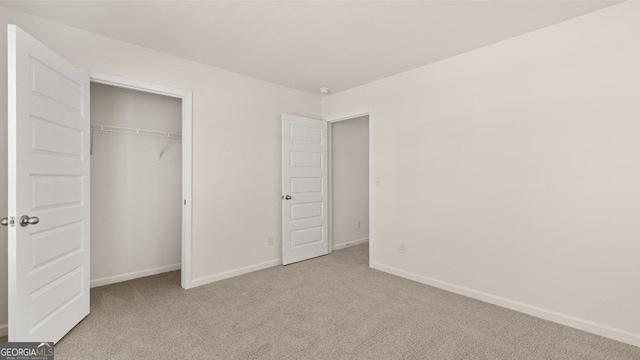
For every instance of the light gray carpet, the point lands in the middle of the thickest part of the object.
(332, 307)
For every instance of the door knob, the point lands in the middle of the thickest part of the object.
(25, 220)
(287, 197)
(4, 222)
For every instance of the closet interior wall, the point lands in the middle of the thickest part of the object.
(136, 194)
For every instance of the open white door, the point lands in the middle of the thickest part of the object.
(304, 189)
(48, 102)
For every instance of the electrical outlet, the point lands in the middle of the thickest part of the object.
(358, 224)
(402, 248)
(271, 240)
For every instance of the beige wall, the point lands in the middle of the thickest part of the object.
(236, 160)
(511, 173)
(136, 198)
(350, 181)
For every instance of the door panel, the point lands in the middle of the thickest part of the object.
(48, 179)
(304, 179)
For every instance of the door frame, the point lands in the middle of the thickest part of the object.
(187, 157)
(372, 181)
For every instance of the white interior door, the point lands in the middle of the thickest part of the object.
(304, 189)
(48, 102)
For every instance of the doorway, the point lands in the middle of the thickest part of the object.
(349, 152)
(165, 142)
(136, 197)
(307, 215)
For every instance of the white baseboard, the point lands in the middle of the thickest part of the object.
(581, 324)
(229, 274)
(349, 243)
(4, 330)
(134, 275)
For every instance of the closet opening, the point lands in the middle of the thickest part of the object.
(140, 182)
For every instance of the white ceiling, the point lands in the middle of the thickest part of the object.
(306, 45)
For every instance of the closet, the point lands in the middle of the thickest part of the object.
(136, 184)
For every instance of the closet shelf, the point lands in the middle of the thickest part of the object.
(124, 130)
